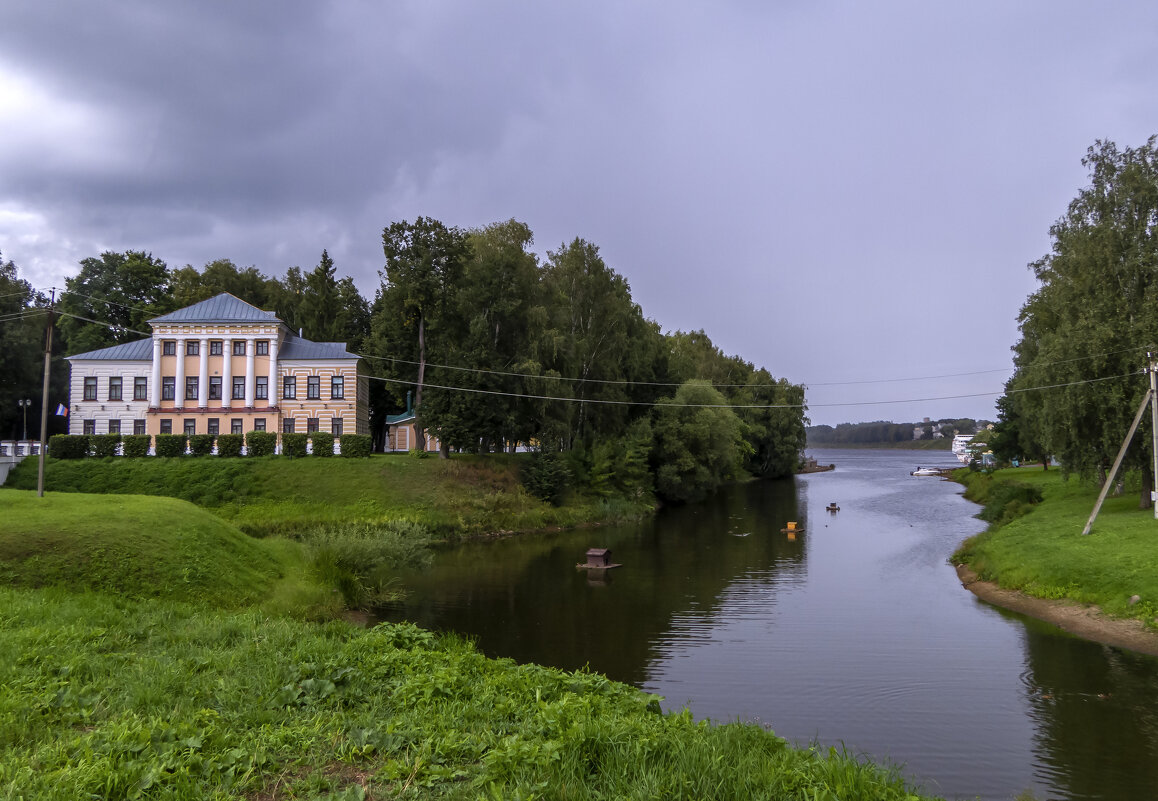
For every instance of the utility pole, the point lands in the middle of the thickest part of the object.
(44, 397)
(1154, 429)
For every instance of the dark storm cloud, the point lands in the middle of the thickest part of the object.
(833, 190)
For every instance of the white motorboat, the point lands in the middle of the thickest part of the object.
(925, 471)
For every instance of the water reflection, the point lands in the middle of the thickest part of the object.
(855, 633)
(524, 598)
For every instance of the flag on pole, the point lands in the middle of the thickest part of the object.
(61, 410)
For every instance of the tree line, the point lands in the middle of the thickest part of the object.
(883, 431)
(492, 346)
(1086, 329)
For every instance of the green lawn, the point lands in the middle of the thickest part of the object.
(463, 496)
(1044, 554)
(139, 547)
(115, 699)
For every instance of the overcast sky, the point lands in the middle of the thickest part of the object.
(837, 191)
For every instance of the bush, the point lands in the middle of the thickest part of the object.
(294, 445)
(201, 444)
(171, 444)
(68, 446)
(136, 445)
(356, 445)
(260, 443)
(104, 445)
(361, 559)
(229, 444)
(323, 443)
(546, 476)
(1007, 500)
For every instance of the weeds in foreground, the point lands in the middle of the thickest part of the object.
(361, 559)
(112, 699)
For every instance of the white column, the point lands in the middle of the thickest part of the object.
(250, 371)
(179, 390)
(155, 386)
(273, 387)
(226, 373)
(203, 375)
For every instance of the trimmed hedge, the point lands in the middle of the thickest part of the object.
(260, 443)
(356, 445)
(201, 444)
(68, 446)
(136, 445)
(104, 445)
(293, 444)
(171, 444)
(323, 443)
(229, 445)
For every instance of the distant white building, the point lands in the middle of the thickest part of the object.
(960, 447)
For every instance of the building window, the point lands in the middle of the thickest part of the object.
(239, 347)
(114, 388)
(287, 425)
(263, 347)
(214, 426)
(140, 388)
(168, 388)
(90, 426)
(215, 347)
(336, 426)
(168, 348)
(289, 387)
(313, 388)
(190, 425)
(239, 387)
(214, 387)
(262, 389)
(90, 388)
(235, 425)
(114, 426)
(192, 348)
(311, 425)
(138, 426)
(259, 424)
(191, 387)
(166, 426)
(337, 388)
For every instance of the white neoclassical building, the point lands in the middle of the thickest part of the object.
(220, 366)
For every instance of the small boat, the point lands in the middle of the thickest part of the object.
(925, 471)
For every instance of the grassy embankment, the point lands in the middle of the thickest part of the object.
(1039, 550)
(142, 660)
(268, 496)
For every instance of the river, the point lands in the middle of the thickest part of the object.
(855, 633)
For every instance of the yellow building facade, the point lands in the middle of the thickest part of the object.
(221, 366)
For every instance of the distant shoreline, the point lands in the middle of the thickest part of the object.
(911, 445)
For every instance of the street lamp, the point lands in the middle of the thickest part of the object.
(25, 403)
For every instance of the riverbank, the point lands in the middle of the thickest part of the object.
(1034, 560)
(453, 499)
(166, 674)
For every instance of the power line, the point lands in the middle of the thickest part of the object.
(110, 326)
(747, 406)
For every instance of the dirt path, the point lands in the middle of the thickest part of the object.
(1086, 622)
